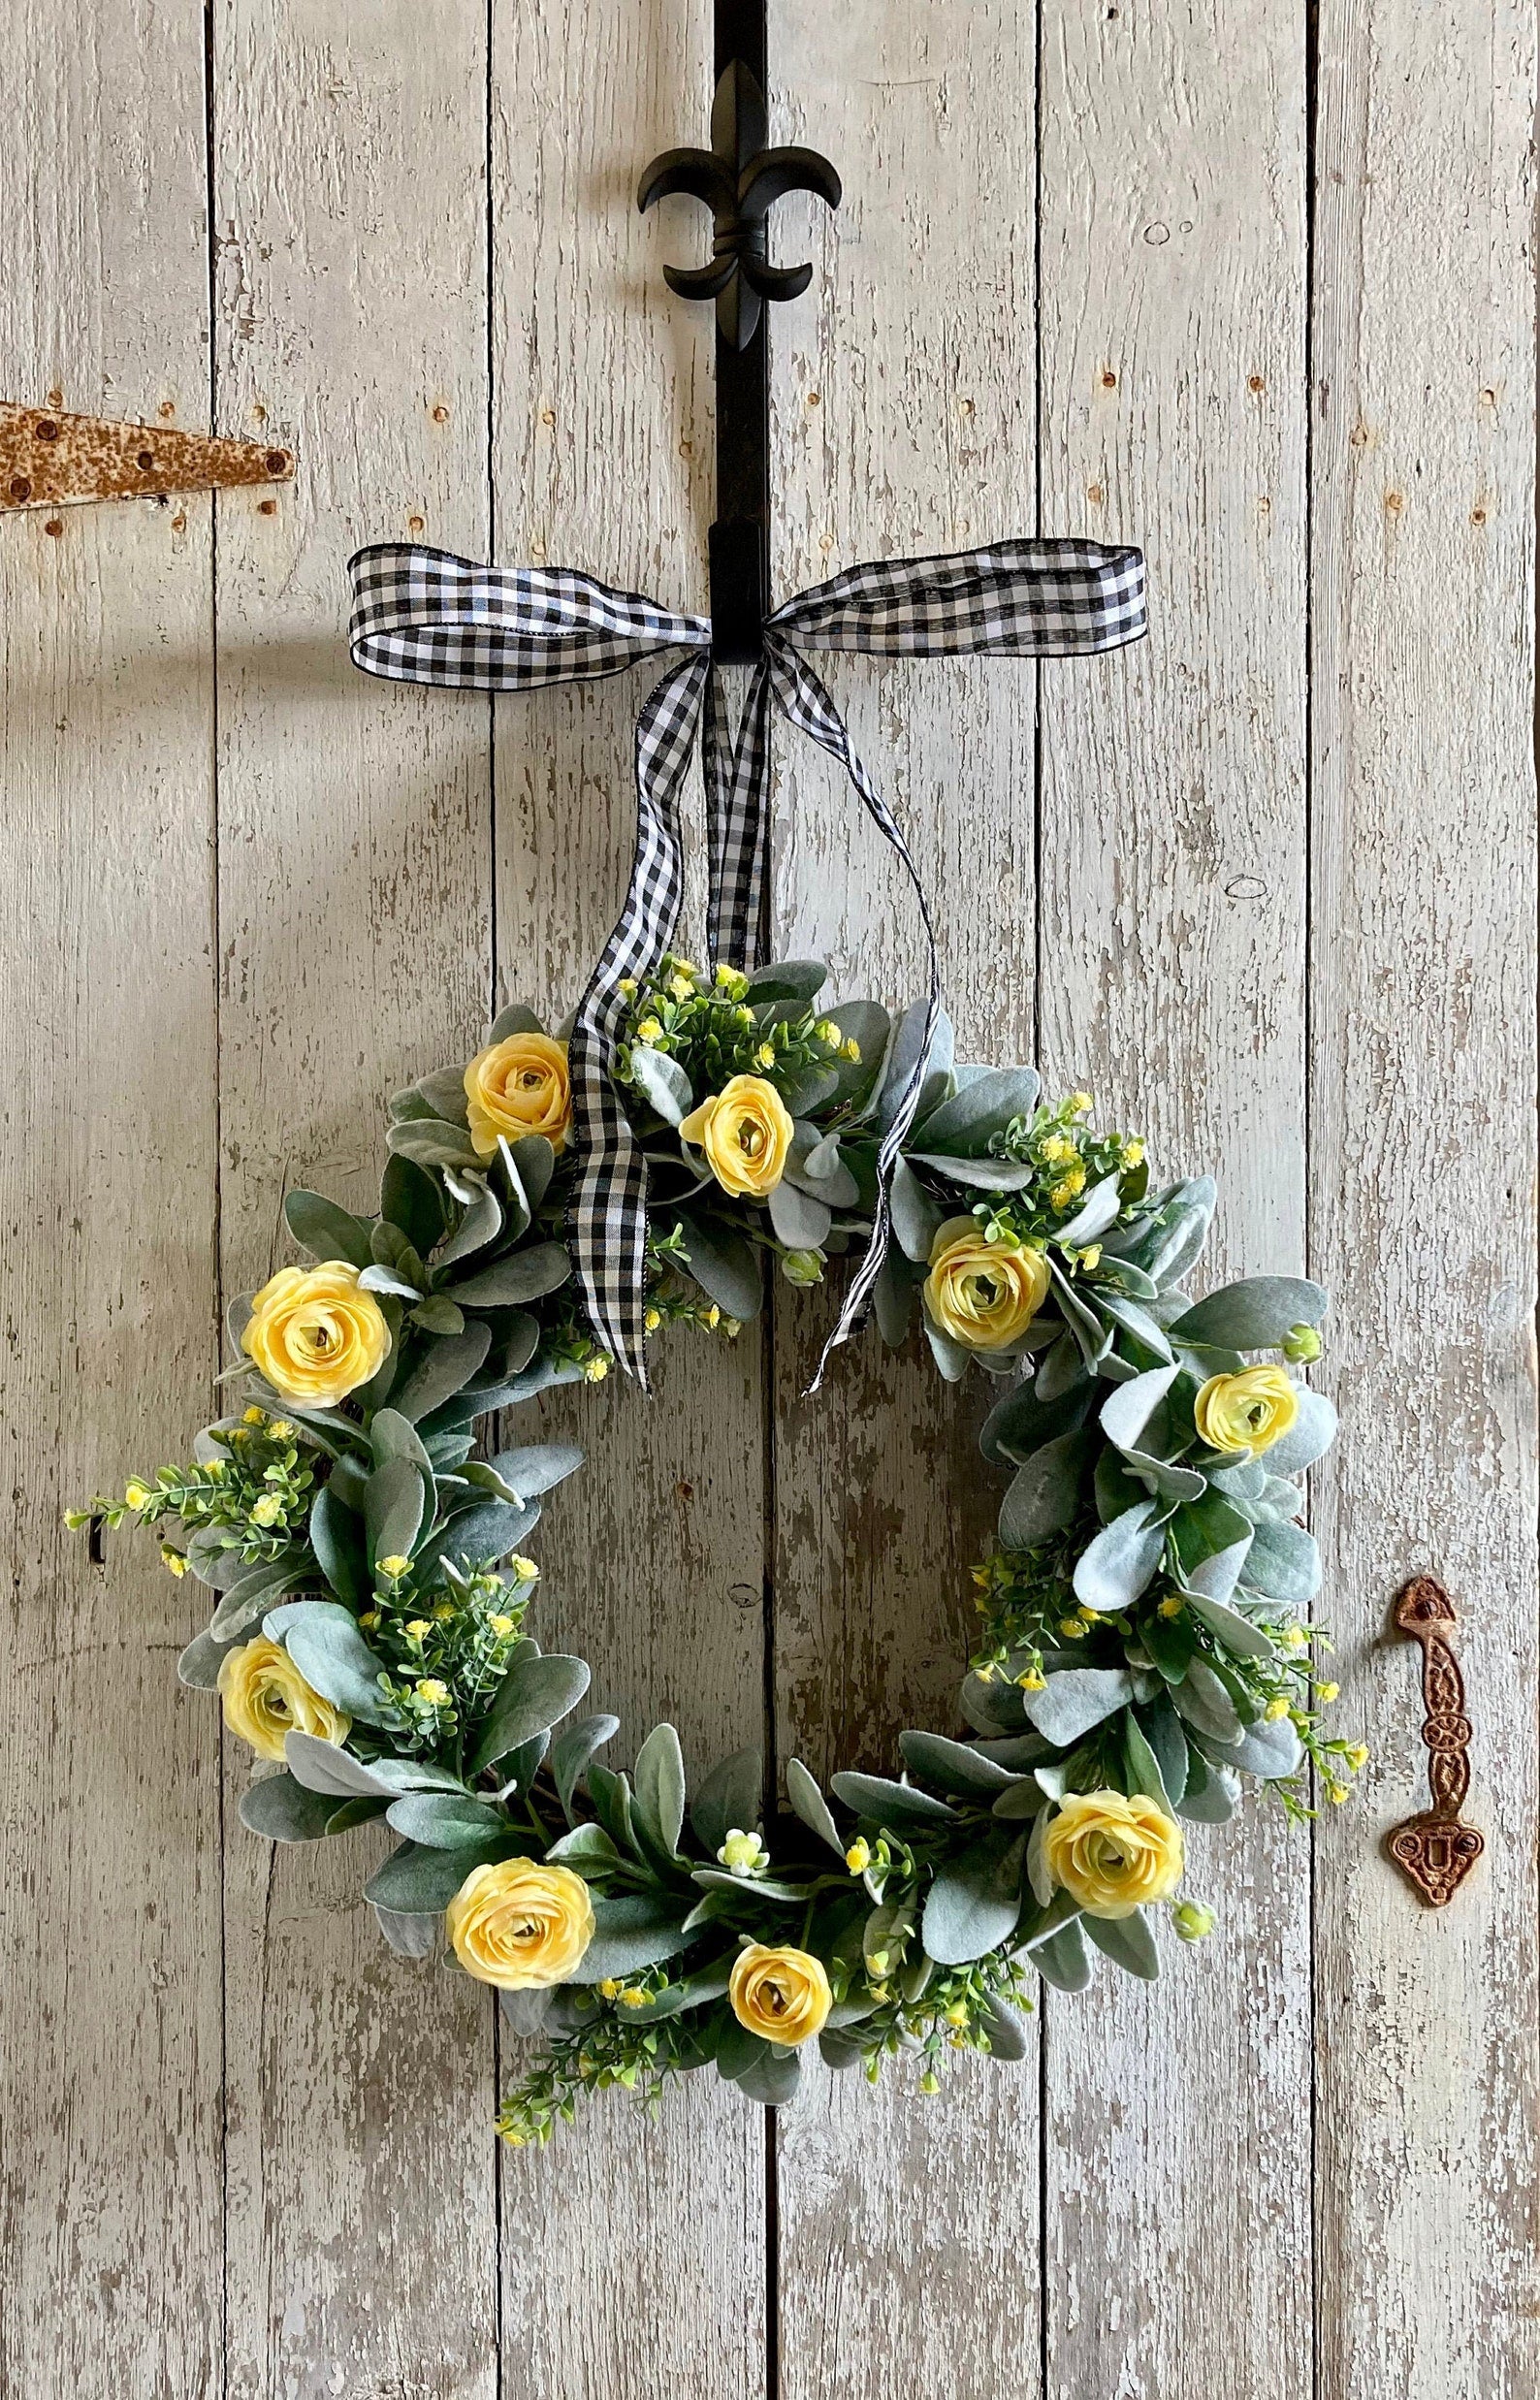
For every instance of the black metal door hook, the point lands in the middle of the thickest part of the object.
(740, 180)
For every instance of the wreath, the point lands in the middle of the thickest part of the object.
(1146, 1638)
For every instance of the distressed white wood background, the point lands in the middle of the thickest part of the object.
(1251, 288)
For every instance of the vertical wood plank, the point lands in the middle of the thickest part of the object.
(110, 2182)
(654, 1556)
(904, 397)
(350, 158)
(1422, 1088)
(1178, 2166)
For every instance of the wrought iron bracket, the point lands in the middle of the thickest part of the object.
(740, 180)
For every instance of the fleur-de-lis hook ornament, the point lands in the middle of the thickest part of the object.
(740, 181)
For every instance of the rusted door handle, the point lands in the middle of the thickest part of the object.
(1437, 1849)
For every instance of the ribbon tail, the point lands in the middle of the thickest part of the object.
(806, 702)
(738, 804)
(607, 1210)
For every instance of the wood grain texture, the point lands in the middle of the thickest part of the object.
(903, 423)
(431, 282)
(1177, 2167)
(601, 459)
(1423, 1080)
(355, 950)
(110, 2126)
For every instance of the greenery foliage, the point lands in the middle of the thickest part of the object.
(1146, 1644)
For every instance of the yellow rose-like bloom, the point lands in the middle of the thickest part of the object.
(265, 1696)
(1249, 1411)
(746, 1134)
(314, 1334)
(782, 1996)
(519, 1925)
(1113, 1855)
(984, 1293)
(517, 1087)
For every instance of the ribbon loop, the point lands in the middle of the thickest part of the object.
(427, 616)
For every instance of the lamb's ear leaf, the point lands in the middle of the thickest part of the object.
(533, 1696)
(419, 1882)
(631, 1933)
(1258, 1314)
(318, 1225)
(445, 1369)
(571, 1752)
(515, 1018)
(412, 1200)
(973, 1902)
(324, 1644)
(802, 1790)
(394, 1502)
(659, 1781)
(410, 1936)
(663, 1082)
(724, 1264)
(283, 1810)
(1127, 1941)
(731, 1795)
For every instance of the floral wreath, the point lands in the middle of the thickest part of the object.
(1145, 1641)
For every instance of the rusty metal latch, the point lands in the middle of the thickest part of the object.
(1437, 1849)
(49, 459)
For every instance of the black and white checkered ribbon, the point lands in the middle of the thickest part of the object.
(422, 615)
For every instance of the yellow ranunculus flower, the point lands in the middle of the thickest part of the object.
(265, 1697)
(519, 1925)
(745, 1133)
(1113, 1855)
(1248, 1411)
(314, 1334)
(517, 1087)
(984, 1293)
(782, 1996)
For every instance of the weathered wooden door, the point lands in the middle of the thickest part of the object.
(1247, 283)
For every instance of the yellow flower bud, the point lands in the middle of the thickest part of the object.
(1275, 1709)
(517, 1087)
(596, 1370)
(1114, 1852)
(173, 1561)
(136, 1495)
(982, 1294)
(502, 1626)
(1132, 1154)
(265, 1698)
(1246, 1412)
(432, 1692)
(314, 1334)
(1326, 1693)
(745, 1131)
(782, 1995)
(417, 1629)
(634, 1996)
(1073, 1628)
(268, 1509)
(394, 1566)
(523, 1570)
(1080, 1103)
(1358, 1757)
(1032, 1680)
(648, 1029)
(521, 1925)
(1170, 1605)
(858, 1857)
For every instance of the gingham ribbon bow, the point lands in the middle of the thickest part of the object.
(422, 615)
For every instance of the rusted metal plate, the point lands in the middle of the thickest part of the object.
(47, 457)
